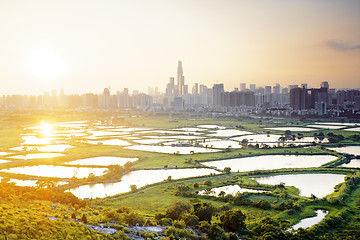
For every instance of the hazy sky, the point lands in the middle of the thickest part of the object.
(84, 46)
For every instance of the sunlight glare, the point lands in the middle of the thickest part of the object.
(45, 63)
(46, 129)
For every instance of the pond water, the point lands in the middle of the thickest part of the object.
(37, 155)
(337, 123)
(209, 126)
(231, 189)
(153, 141)
(319, 184)
(102, 161)
(139, 178)
(97, 134)
(48, 148)
(162, 132)
(295, 129)
(171, 150)
(272, 162)
(33, 140)
(222, 144)
(311, 221)
(228, 133)
(67, 135)
(208, 143)
(25, 183)
(113, 142)
(175, 137)
(259, 138)
(325, 126)
(56, 171)
(75, 124)
(353, 129)
(126, 129)
(190, 129)
(355, 163)
(348, 149)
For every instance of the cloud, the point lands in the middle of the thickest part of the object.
(341, 46)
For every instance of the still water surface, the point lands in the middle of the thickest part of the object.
(231, 189)
(311, 221)
(272, 162)
(139, 178)
(102, 161)
(56, 171)
(318, 184)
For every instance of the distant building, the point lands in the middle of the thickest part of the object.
(178, 103)
(195, 89)
(242, 86)
(321, 108)
(218, 89)
(298, 98)
(252, 87)
(180, 79)
(324, 85)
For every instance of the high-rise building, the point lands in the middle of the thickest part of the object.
(106, 98)
(170, 88)
(267, 89)
(324, 85)
(304, 85)
(252, 87)
(195, 89)
(217, 90)
(180, 79)
(242, 86)
(298, 98)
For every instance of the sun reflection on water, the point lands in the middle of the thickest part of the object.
(46, 129)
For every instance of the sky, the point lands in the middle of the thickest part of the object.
(86, 45)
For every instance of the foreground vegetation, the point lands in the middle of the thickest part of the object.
(47, 212)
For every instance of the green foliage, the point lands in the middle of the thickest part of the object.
(233, 221)
(176, 210)
(204, 211)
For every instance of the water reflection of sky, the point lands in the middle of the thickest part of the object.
(139, 178)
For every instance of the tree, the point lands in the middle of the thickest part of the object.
(91, 177)
(222, 194)
(128, 165)
(84, 219)
(191, 220)
(204, 211)
(133, 187)
(233, 221)
(227, 170)
(5, 180)
(176, 210)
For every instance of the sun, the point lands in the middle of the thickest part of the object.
(45, 63)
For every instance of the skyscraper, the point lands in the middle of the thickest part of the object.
(252, 87)
(242, 86)
(218, 89)
(298, 98)
(324, 85)
(180, 79)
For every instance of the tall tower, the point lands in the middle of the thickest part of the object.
(180, 79)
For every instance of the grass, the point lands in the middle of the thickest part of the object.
(157, 198)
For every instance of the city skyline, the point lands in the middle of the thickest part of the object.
(85, 46)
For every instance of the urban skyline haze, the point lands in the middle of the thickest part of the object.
(84, 46)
